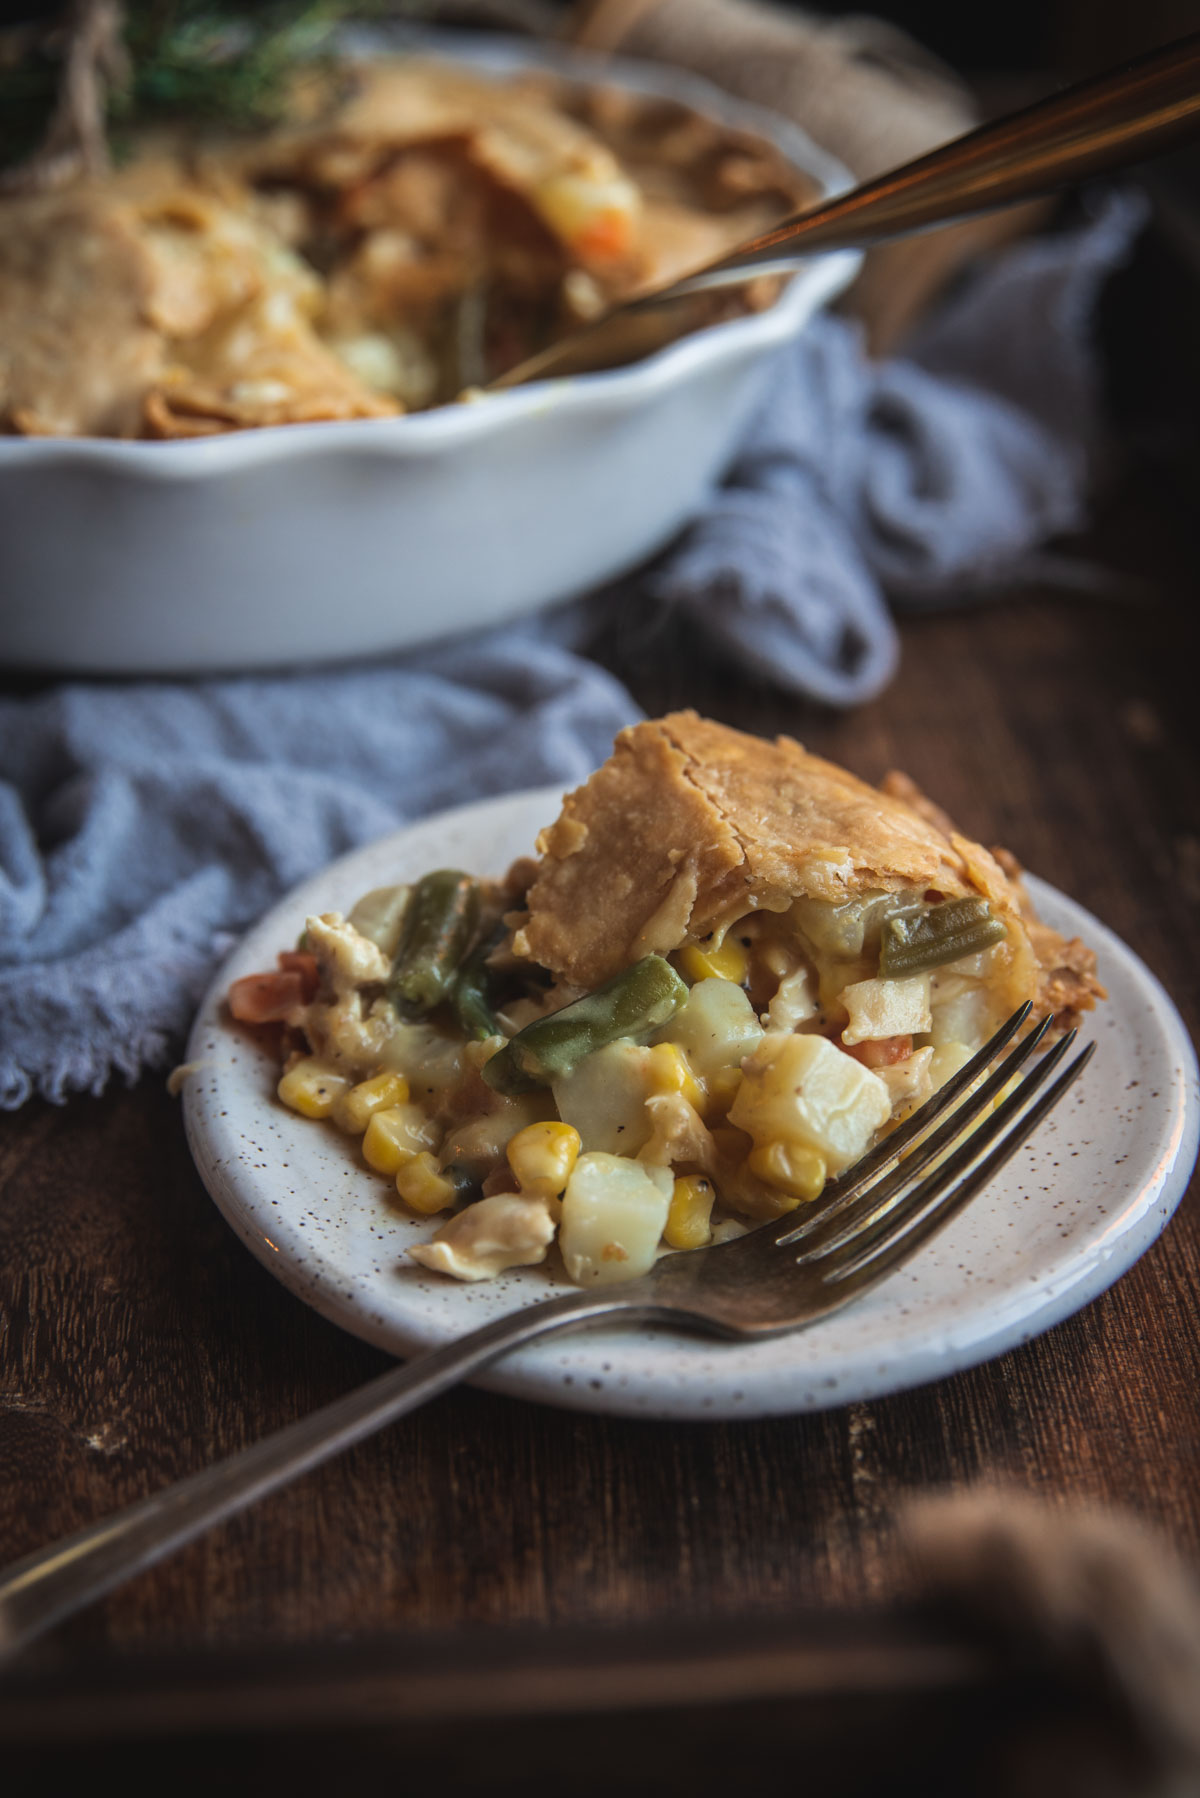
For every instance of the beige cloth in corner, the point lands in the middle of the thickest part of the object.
(863, 89)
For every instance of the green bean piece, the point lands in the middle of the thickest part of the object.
(440, 921)
(471, 992)
(633, 1003)
(932, 935)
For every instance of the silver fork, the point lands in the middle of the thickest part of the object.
(776, 1278)
(1114, 119)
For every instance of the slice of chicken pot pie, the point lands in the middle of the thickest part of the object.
(731, 968)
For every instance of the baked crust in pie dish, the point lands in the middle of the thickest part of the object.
(433, 231)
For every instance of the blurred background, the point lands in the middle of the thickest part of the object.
(1055, 35)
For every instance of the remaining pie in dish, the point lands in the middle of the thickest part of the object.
(432, 231)
(731, 966)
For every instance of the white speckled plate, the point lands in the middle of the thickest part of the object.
(1073, 1210)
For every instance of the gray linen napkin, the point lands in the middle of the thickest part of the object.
(929, 479)
(143, 823)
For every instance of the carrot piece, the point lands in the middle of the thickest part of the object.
(266, 998)
(299, 961)
(883, 1052)
(604, 238)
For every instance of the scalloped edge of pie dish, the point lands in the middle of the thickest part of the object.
(221, 553)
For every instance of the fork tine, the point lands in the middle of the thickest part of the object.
(873, 1201)
(959, 1179)
(892, 1147)
(918, 1195)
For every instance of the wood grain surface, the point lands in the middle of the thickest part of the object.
(140, 1340)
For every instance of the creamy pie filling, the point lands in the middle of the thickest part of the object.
(790, 1044)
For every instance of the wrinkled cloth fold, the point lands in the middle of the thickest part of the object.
(924, 481)
(143, 823)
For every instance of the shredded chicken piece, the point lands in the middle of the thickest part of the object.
(346, 959)
(678, 1137)
(506, 1230)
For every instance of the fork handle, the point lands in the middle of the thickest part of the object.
(1135, 111)
(52, 1583)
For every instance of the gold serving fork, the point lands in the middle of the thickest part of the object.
(1108, 122)
(774, 1279)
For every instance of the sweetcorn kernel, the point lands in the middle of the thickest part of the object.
(423, 1186)
(792, 1169)
(670, 1072)
(729, 962)
(354, 1110)
(542, 1156)
(311, 1089)
(688, 1223)
(394, 1135)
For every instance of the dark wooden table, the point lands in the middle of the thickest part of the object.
(140, 1340)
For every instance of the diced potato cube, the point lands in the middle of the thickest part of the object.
(715, 1027)
(882, 1008)
(803, 1089)
(379, 915)
(614, 1213)
(961, 1014)
(605, 1099)
(430, 1058)
(981, 965)
(946, 1061)
(837, 930)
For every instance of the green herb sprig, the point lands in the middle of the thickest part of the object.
(195, 60)
(185, 60)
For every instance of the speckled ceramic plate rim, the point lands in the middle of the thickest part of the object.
(1074, 1210)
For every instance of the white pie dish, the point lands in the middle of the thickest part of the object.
(1072, 1211)
(323, 542)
